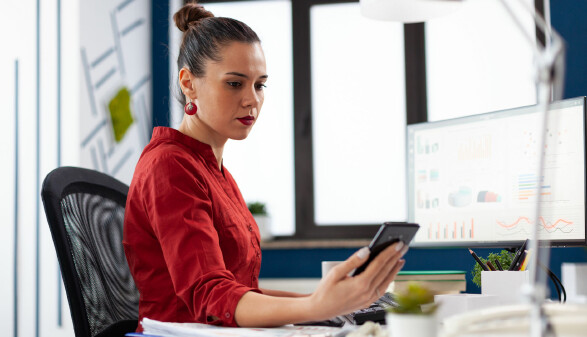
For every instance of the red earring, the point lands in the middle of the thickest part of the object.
(190, 108)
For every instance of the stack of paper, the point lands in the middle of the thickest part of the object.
(438, 281)
(157, 328)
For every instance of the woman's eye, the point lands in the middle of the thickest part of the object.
(234, 84)
(260, 86)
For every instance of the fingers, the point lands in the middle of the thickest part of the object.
(381, 288)
(393, 273)
(388, 267)
(353, 262)
(338, 293)
(385, 260)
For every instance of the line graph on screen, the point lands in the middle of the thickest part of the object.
(522, 225)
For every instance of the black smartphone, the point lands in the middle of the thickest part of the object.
(388, 233)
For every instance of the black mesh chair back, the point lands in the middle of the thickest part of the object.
(85, 211)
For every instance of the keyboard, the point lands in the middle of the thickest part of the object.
(374, 313)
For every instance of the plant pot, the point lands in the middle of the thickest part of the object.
(411, 325)
(264, 224)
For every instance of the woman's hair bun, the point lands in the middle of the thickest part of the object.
(189, 15)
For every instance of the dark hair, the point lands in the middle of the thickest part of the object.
(204, 35)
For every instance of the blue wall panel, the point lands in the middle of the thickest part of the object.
(306, 263)
(568, 18)
(160, 58)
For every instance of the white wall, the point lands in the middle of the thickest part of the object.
(115, 50)
(31, 99)
(44, 106)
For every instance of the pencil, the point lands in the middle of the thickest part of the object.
(520, 261)
(526, 259)
(515, 260)
(498, 265)
(518, 255)
(481, 264)
(491, 266)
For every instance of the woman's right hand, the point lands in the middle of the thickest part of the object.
(338, 293)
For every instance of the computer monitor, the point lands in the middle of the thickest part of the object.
(472, 181)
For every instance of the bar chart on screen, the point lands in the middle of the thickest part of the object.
(449, 230)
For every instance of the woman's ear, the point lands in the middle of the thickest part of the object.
(187, 83)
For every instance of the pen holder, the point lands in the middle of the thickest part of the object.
(506, 285)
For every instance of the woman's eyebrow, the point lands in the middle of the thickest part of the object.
(243, 75)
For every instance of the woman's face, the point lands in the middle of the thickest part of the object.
(230, 95)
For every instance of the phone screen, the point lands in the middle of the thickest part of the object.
(389, 233)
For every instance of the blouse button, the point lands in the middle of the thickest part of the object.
(227, 315)
(250, 228)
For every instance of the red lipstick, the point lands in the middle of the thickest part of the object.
(248, 120)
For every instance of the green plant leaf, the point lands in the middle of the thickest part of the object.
(257, 208)
(504, 257)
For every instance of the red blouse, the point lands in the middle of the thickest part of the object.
(190, 241)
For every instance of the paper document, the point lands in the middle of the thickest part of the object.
(164, 329)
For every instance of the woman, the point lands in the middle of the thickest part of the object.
(190, 241)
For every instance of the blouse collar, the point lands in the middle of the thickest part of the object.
(202, 149)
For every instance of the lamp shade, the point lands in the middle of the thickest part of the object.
(408, 11)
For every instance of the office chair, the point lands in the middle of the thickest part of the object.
(85, 211)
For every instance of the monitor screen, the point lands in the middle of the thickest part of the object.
(473, 181)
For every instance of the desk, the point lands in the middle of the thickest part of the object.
(568, 321)
(157, 328)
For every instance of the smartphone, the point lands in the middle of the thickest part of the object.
(388, 233)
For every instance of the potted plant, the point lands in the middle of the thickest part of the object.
(415, 314)
(259, 212)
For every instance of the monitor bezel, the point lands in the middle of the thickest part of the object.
(576, 101)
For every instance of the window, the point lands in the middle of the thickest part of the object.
(478, 61)
(358, 117)
(262, 164)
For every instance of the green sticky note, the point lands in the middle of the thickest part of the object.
(119, 107)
